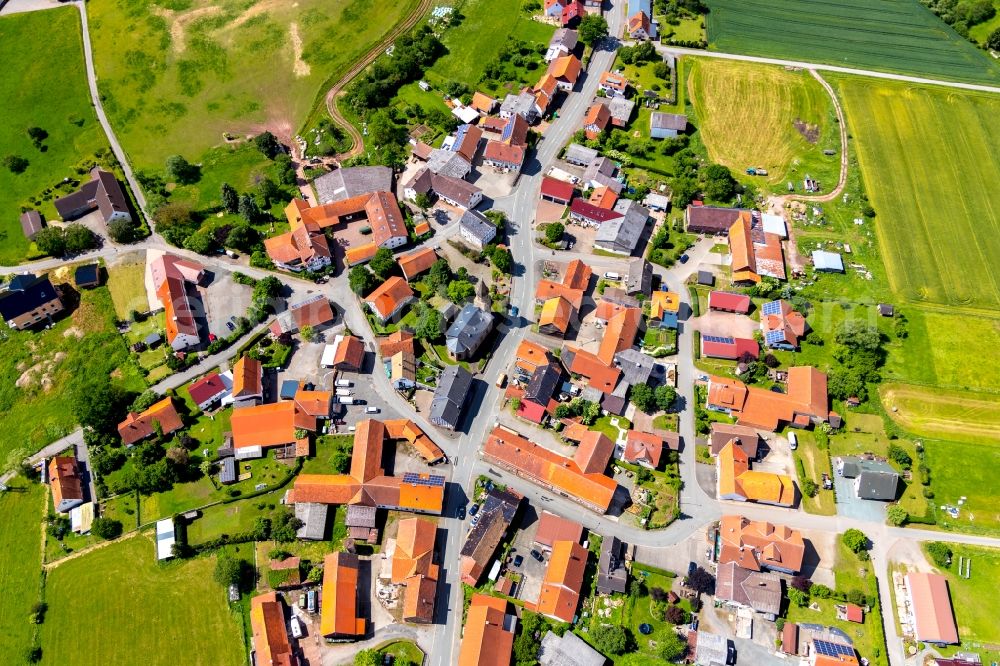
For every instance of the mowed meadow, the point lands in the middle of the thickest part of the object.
(764, 116)
(177, 74)
(931, 163)
(884, 35)
(117, 605)
(21, 511)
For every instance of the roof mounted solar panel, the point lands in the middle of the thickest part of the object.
(771, 308)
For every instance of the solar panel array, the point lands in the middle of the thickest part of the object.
(719, 339)
(828, 649)
(508, 129)
(415, 479)
(771, 308)
(774, 337)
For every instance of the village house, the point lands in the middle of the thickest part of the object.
(805, 403)
(64, 482)
(559, 596)
(664, 307)
(565, 70)
(556, 191)
(450, 395)
(565, 12)
(28, 301)
(712, 220)
(621, 234)
(417, 262)
(340, 611)
(269, 636)
(736, 481)
(507, 153)
(724, 301)
(755, 253)
(563, 43)
(390, 298)
(304, 247)
(175, 280)
(741, 588)
(758, 545)
(350, 182)
(612, 571)
(207, 391)
(31, 223)
(476, 230)
(314, 311)
(782, 326)
(488, 638)
(103, 193)
(496, 515)
(596, 121)
(162, 415)
(613, 84)
(414, 568)
(728, 347)
(620, 109)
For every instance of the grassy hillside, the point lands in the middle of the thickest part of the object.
(138, 611)
(884, 35)
(754, 115)
(21, 512)
(46, 88)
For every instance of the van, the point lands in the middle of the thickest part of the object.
(232, 255)
(344, 383)
(296, 628)
(311, 601)
(501, 380)
(371, 410)
(793, 441)
(345, 400)
(612, 276)
(343, 391)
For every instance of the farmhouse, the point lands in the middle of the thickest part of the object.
(174, 279)
(873, 479)
(522, 104)
(483, 103)
(621, 234)
(782, 326)
(603, 172)
(666, 125)
(488, 639)
(29, 300)
(401, 369)
(454, 191)
(102, 193)
(580, 478)
(641, 25)
(137, 427)
(390, 298)
(267, 623)
(711, 220)
(804, 404)
(64, 482)
(340, 619)
(413, 567)
(416, 262)
(558, 317)
(538, 399)
(744, 438)
(930, 604)
(758, 545)
(590, 215)
(755, 253)
(305, 247)
(508, 152)
(445, 162)
(603, 196)
(643, 448)
(496, 515)
(476, 229)
(449, 397)
(738, 482)
(348, 353)
(553, 528)
(275, 424)
(596, 121)
(563, 580)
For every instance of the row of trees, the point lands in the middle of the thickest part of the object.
(71, 239)
(412, 54)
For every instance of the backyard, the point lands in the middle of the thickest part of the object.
(884, 35)
(964, 472)
(21, 511)
(143, 608)
(43, 88)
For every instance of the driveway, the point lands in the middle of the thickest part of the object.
(224, 298)
(850, 505)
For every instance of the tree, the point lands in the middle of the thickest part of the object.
(940, 553)
(228, 571)
(855, 540)
(269, 192)
(858, 336)
(37, 135)
(701, 581)
(249, 210)
(642, 397)
(179, 456)
(268, 144)
(676, 615)
(719, 183)
(665, 397)
(554, 232)
(899, 455)
(369, 657)
(592, 29)
(181, 171)
(361, 280)
(809, 488)
(897, 515)
(684, 189)
(611, 639)
(502, 260)
(51, 241)
(96, 404)
(798, 597)
(267, 288)
(15, 163)
(423, 201)
(230, 199)
(460, 291)
(429, 325)
(106, 528)
(993, 41)
(79, 238)
(201, 242)
(242, 236)
(382, 263)
(671, 646)
(123, 231)
(144, 401)
(439, 275)
(801, 583)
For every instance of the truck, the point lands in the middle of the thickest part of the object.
(612, 276)
(345, 400)
(344, 392)
(344, 383)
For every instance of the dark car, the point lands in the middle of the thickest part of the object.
(518, 561)
(730, 653)
(461, 512)
(230, 326)
(683, 259)
(535, 554)
(514, 311)
(473, 509)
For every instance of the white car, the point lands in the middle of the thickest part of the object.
(371, 410)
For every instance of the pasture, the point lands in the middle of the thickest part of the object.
(21, 512)
(752, 115)
(138, 610)
(882, 35)
(175, 79)
(966, 470)
(929, 157)
(44, 88)
(935, 412)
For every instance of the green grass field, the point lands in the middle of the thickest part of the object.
(44, 88)
(138, 610)
(929, 158)
(935, 412)
(882, 35)
(753, 115)
(21, 512)
(975, 600)
(36, 369)
(964, 470)
(173, 80)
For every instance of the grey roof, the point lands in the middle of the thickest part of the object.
(360, 516)
(639, 277)
(877, 484)
(624, 232)
(620, 108)
(657, 200)
(754, 589)
(422, 181)
(578, 154)
(478, 225)
(448, 163)
(153, 338)
(495, 516)
(522, 104)
(568, 650)
(25, 293)
(706, 278)
(313, 517)
(620, 296)
(454, 189)
(827, 261)
(351, 181)
(711, 649)
(449, 396)
(471, 326)
(31, 223)
(545, 380)
(850, 469)
(612, 576)
(227, 473)
(637, 368)
(600, 166)
(669, 121)
(564, 37)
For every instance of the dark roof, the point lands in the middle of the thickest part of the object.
(639, 278)
(468, 330)
(637, 368)
(83, 200)
(289, 388)
(877, 484)
(227, 471)
(624, 232)
(153, 338)
(25, 293)
(450, 395)
(31, 223)
(544, 382)
(103, 193)
(350, 182)
(495, 517)
(612, 576)
(706, 278)
(710, 219)
(478, 225)
(760, 591)
(86, 275)
(591, 212)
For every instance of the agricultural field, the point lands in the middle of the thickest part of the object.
(21, 512)
(176, 76)
(929, 158)
(935, 412)
(882, 35)
(752, 115)
(44, 88)
(37, 368)
(142, 608)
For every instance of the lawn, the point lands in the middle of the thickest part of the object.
(21, 512)
(37, 369)
(960, 470)
(174, 80)
(929, 157)
(935, 412)
(975, 601)
(883, 35)
(138, 609)
(612, 426)
(232, 518)
(126, 282)
(44, 88)
(763, 116)
(632, 611)
(405, 651)
(814, 462)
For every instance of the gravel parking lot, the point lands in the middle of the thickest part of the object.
(223, 298)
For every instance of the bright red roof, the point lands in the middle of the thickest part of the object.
(724, 300)
(557, 189)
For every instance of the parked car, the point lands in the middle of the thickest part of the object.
(683, 258)
(514, 311)
(461, 512)
(501, 380)
(230, 326)
(371, 410)
(518, 561)
(535, 554)
(473, 509)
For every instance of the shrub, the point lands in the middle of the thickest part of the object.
(940, 553)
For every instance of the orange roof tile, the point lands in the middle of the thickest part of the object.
(566, 68)
(399, 341)
(553, 528)
(556, 313)
(350, 352)
(756, 544)
(247, 377)
(614, 81)
(603, 197)
(577, 275)
(414, 553)
(389, 297)
(270, 640)
(339, 612)
(482, 103)
(324, 488)
(599, 374)
(366, 460)
(64, 481)
(738, 481)
(314, 403)
(360, 254)
(597, 116)
(380, 208)
(594, 452)
(530, 355)
(264, 425)
(421, 228)
(488, 638)
(416, 262)
(137, 427)
(662, 302)
(643, 447)
(560, 593)
(547, 289)
(620, 334)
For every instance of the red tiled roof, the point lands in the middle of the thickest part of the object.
(206, 388)
(557, 189)
(724, 300)
(593, 213)
(137, 427)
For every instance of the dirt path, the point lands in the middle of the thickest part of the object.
(843, 144)
(178, 22)
(49, 566)
(299, 66)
